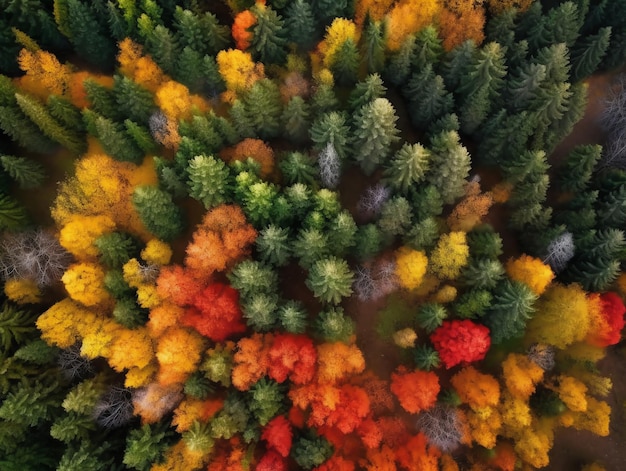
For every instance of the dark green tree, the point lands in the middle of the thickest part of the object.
(199, 31)
(332, 325)
(423, 235)
(12, 214)
(102, 100)
(146, 445)
(482, 273)
(577, 171)
(486, 69)
(267, 400)
(309, 246)
(373, 44)
(310, 450)
(296, 120)
(556, 59)
(523, 86)
(346, 63)
(560, 25)
(457, 64)
(430, 316)
(66, 113)
(472, 304)
(133, 101)
(113, 138)
(427, 49)
(450, 166)
(407, 167)
(258, 112)
(158, 212)
(300, 24)
(426, 358)
(510, 309)
(588, 53)
(116, 248)
(25, 172)
(297, 168)
(368, 242)
(293, 317)
(273, 246)
(269, 36)
(427, 96)
(261, 311)
(366, 91)
(395, 217)
(332, 128)
(250, 277)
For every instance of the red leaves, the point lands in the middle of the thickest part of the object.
(416, 391)
(461, 341)
(606, 330)
(292, 356)
(278, 435)
(216, 313)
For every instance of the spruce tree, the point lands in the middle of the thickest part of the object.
(375, 133)
(273, 245)
(577, 171)
(587, 54)
(408, 167)
(209, 180)
(373, 44)
(102, 99)
(300, 24)
(457, 63)
(486, 69)
(66, 113)
(25, 172)
(113, 138)
(523, 86)
(269, 39)
(398, 68)
(450, 166)
(427, 49)
(366, 91)
(259, 111)
(116, 248)
(88, 34)
(133, 101)
(510, 309)
(332, 128)
(199, 31)
(346, 63)
(296, 120)
(427, 96)
(560, 25)
(556, 59)
(330, 280)
(158, 212)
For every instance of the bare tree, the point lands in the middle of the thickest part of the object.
(442, 427)
(33, 254)
(375, 280)
(372, 201)
(613, 121)
(330, 166)
(542, 355)
(115, 408)
(560, 251)
(73, 365)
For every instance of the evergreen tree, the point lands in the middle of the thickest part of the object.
(366, 91)
(129, 314)
(25, 172)
(261, 311)
(300, 24)
(116, 248)
(375, 133)
(398, 67)
(482, 273)
(510, 309)
(260, 112)
(114, 140)
(327, 10)
(557, 62)
(267, 400)
(341, 233)
(373, 44)
(332, 325)
(146, 445)
(475, 110)
(408, 167)
(309, 246)
(427, 49)
(66, 113)
(560, 25)
(133, 101)
(587, 55)
(577, 171)
(395, 217)
(140, 135)
(457, 63)
(423, 235)
(426, 358)
(430, 316)
(250, 277)
(273, 245)
(523, 86)
(427, 96)
(158, 212)
(296, 120)
(332, 128)
(368, 242)
(484, 242)
(293, 317)
(162, 46)
(486, 69)
(199, 31)
(39, 115)
(297, 167)
(269, 38)
(310, 450)
(450, 165)
(190, 69)
(209, 180)
(346, 63)
(102, 99)
(330, 279)
(426, 201)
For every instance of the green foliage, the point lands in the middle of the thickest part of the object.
(373, 44)
(332, 325)
(560, 25)
(426, 357)
(258, 112)
(341, 233)
(217, 366)
(86, 30)
(482, 273)
(250, 277)
(345, 64)
(587, 55)
(209, 180)
(332, 128)
(375, 133)
(140, 135)
(37, 352)
(116, 248)
(297, 167)
(423, 235)
(71, 427)
(395, 217)
(366, 91)
(472, 304)
(577, 171)
(113, 138)
(510, 309)
(134, 102)
(408, 167)
(330, 279)
(128, 313)
(27, 173)
(260, 311)
(198, 386)
(198, 437)
(83, 397)
(484, 242)
(17, 326)
(427, 97)
(449, 166)
(310, 246)
(309, 450)
(300, 24)
(546, 403)
(267, 400)
(368, 242)
(146, 446)
(273, 246)
(260, 203)
(430, 316)
(293, 317)
(269, 38)
(116, 285)
(158, 212)
(31, 403)
(296, 119)
(232, 419)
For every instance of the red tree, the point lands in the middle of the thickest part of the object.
(292, 356)
(416, 390)
(607, 328)
(271, 461)
(176, 284)
(216, 313)
(461, 341)
(278, 435)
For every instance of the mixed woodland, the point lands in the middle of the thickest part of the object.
(225, 187)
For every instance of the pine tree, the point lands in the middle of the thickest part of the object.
(426, 358)
(341, 233)
(133, 101)
(482, 273)
(457, 63)
(25, 172)
(366, 91)
(408, 167)
(375, 133)
(332, 325)
(332, 128)
(373, 44)
(450, 165)
(39, 115)
(158, 212)
(269, 38)
(116, 248)
(260, 112)
(102, 99)
(475, 110)
(395, 217)
(557, 62)
(300, 24)
(296, 120)
(12, 214)
(129, 314)
(141, 136)
(267, 400)
(209, 180)
(199, 31)
(88, 35)
(162, 46)
(560, 25)
(297, 167)
(146, 445)
(114, 140)
(346, 63)
(577, 171)
(293, 317)
(427, 49)
(510, 309)
(430, 316)
(428, 98)
(326, 10)
(66, 113)
(486, 69)
(261, 311)
(330, 279)
(398, 67)
(523, 86)
(587, 55)
(273, 245)
(250, 277)
(310, 246)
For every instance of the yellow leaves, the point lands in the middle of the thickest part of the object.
(142, 69)
(449, 256)
(238, 69)
(58, 325)
(516, 415)
(521, 375)
(410, 267)
(80, 232)
(408, 17)
(595, 418)
(147, 296)
(131, 348)
(484, 424)
(177, 103)
(45, 75)
(562, 316)
(533, 447)
(139, 377)
(97, 337)
(186, 413)
(572, 392)
(157, 252)
(530, 271)
(163, 316)
(22, 291)
(178, 351)
(405, 338)
(445, 294)
(340, 31)
(338, 360)
(84, 283)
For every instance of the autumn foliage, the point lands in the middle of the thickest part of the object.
(416, 390)
(461, 341)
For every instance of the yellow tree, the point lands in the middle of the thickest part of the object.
(59, 324)
(521, 375)
(84, 283)
(572, 392)
(80, 232)
(530, 271)
(408, 17)
(410, 267)
(178, 351)
(340, 31)
(562, 316)
(476, 389)
(44, 74)
(238, 69)
(449, 255)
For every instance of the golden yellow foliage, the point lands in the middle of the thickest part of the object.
(59, 324)
(484, 424)
(516, 415)
(45, 75)
(140, 377)
(449, 256)
(97, 337)
(595, 419)
(178, 351)
(80, 232)
(163, 316)
(530, 271)
(238, 69)
(521, 375)
(455, 27)
(408, 17)
(339, 31)
(583, 352)
(572, 392)
(499, 6)
(501, 192)
(141, 68)
(177, 102)
(446, 294)
(476, 389)
(84, 283)
(376, 9)
(22, 291)
(562, 316)
(157, 252)
(180, 458)
(410, 267)
(533, 446)
(405, 338)
(188, 411)
(147, 296)
(338, 360)
(131, 348)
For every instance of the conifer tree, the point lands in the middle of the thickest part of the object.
(556, 59)
(101, 99)
(486, 69)
(560, 25)
(300, 24)
(114, 140)
(523, 86)
(25, 172)
(66, 113)
(293, 317)
(133, 101)
(158, 212)
(309, 246)
(577, 171)
(510, 309)
(375, 133)
(297, 167)
(373, 44)
(161, 44)
(428, 98)
(260, 111)
(398, 68)
(296, 120)
(457, 63)
(395, 217)
(366, 91)
(408, 167)
(450, 165)
(330, 279)
(427, 49)
(273, 245)
(345, 63)
(116, 248)
(268, 36)
(332, 128)
(209, 180)
(588, 53)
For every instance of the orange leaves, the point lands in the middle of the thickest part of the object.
(338, 360)
(277, 434)
(141, 68)
(471, 209)
(531, 271)
(177, 102)
(241, 29)
(45, 75)
(475, 388)
(408, 17)
(456, 27)
(177, 285)
(222, 238)
(606, 315)
(251, 361)
(254, 149)
(292, 356)
(414, 454)
(178, 351)
(521, 375)
(416, 390)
